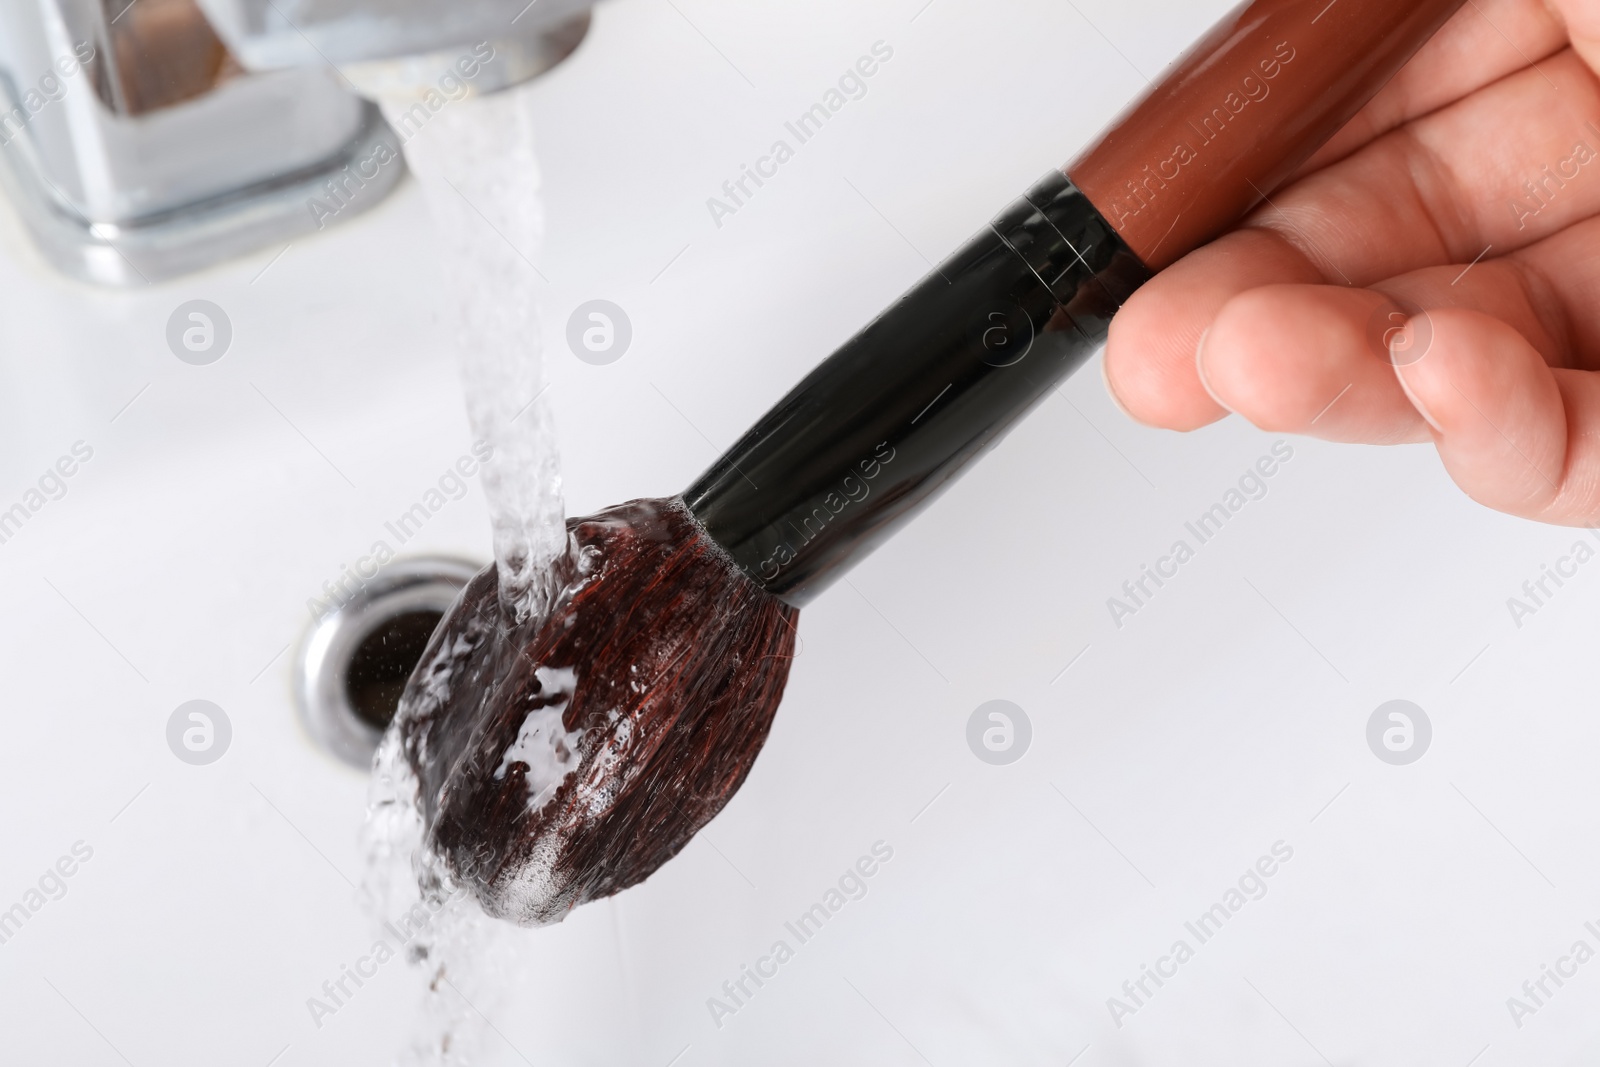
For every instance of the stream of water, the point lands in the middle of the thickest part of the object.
(466, 959)
(476, 162)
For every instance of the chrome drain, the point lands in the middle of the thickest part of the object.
(354, 661)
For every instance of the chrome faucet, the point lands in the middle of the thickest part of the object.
(391, 47)
(143, 139)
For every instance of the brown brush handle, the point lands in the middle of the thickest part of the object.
(1241, 111)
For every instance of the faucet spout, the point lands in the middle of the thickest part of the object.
(400, 48)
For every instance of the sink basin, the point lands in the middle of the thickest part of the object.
(1213, 727)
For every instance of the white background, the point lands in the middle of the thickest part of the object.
(1221, 719)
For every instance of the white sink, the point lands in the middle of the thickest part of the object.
(1227, 715)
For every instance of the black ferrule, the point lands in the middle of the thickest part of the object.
(881, 426)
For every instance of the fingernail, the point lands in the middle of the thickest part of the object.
(1200, 371)
(1401, 340)
(1105, 376)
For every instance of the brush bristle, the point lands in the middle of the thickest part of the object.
(567, 758)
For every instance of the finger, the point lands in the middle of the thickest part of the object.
(1514, 434)
(1150, 355)
(1482, 43)
(1316, 359)
(1311, 359)
(1562, 276)
(1582, 19)
(1500, 170)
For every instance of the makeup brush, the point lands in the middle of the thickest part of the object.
(567, 758)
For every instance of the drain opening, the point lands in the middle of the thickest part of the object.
(383, 662)
(355, 660)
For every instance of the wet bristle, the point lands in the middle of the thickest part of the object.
(569, 757)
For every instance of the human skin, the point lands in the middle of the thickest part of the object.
(1486, 148)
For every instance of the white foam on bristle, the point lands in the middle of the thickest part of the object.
(536, 893)
(609, 772)
(544, 746)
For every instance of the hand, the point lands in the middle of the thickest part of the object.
(1346, 309)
